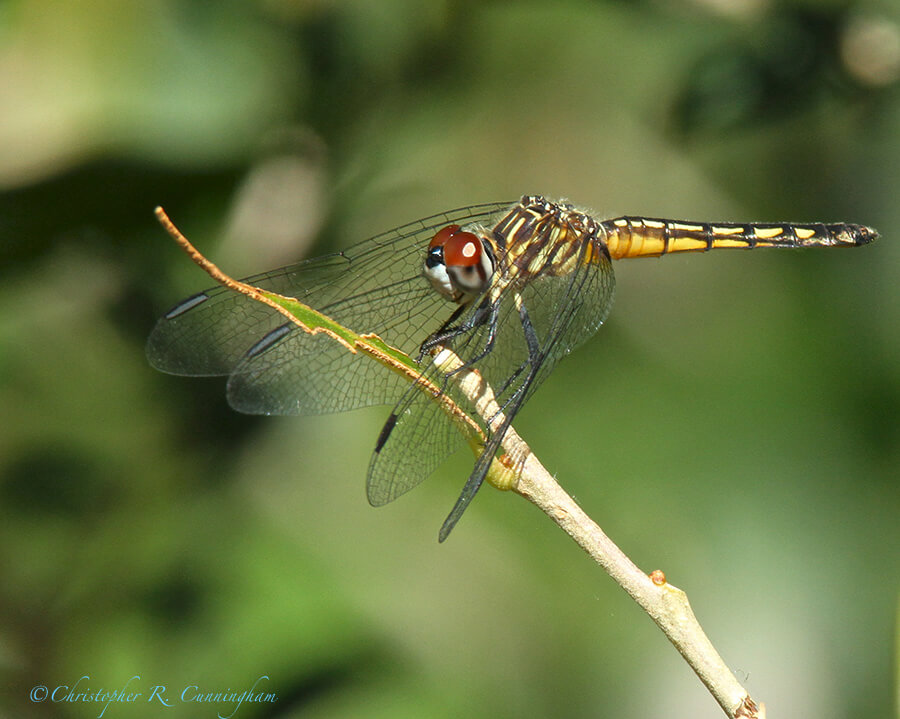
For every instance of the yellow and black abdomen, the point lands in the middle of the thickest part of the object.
(649, 237)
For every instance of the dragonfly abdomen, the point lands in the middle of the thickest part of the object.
(650, 237)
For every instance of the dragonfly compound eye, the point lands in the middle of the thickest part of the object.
(458, 265)
(442, 236)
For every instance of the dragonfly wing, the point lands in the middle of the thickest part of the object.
(564, 311)
(275, 368)
(421, 438)
(208, 334)
(308, 374)
(290, 371)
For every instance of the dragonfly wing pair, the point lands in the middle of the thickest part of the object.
(276, 368)
(552, 289)
(273, 367)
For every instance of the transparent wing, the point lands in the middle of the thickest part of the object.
(581, 306)
(563, 310)
(275, 368)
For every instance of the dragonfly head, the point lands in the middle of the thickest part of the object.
(459, 264)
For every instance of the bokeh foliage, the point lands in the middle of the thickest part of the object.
(735, 422)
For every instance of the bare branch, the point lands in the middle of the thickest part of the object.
(667, 605)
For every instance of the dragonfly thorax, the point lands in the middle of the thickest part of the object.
(459, 264)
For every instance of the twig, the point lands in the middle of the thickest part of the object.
(667, 605)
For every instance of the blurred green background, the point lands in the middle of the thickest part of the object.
(735, 423)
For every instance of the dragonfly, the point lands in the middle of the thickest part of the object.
(510, 288)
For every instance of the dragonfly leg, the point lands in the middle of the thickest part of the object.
(487, 313)
(534, 359)
(511, 408)
(512, 378)
(442, 334)
(492, 321)
(535, 355)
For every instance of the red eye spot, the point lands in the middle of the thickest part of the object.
(443, 235)
(462, 250)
